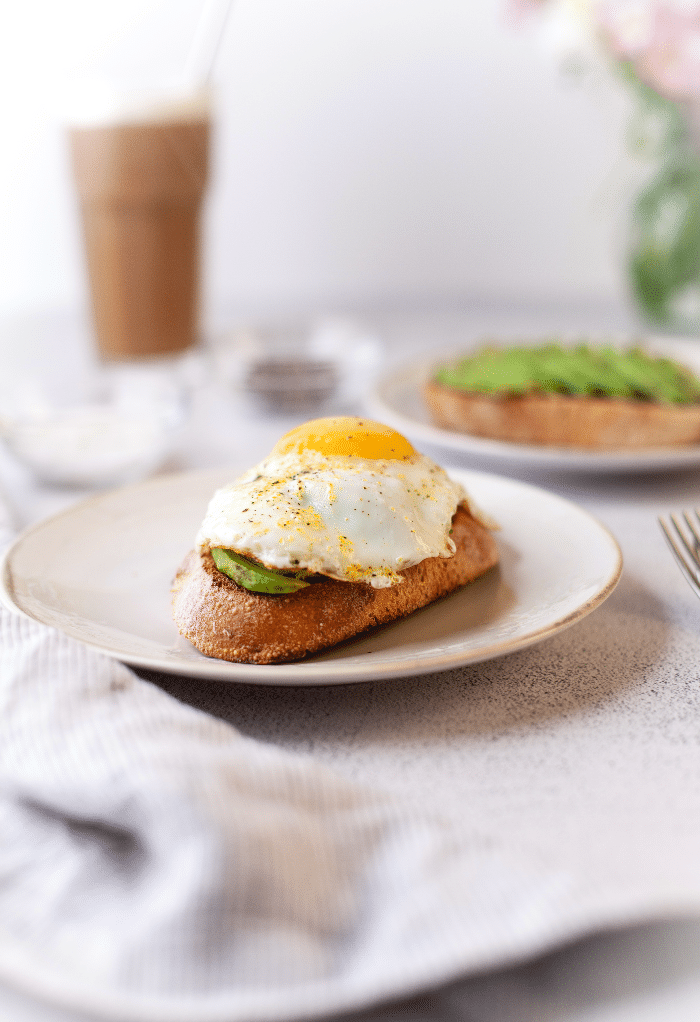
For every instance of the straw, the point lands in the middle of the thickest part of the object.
(207, 40)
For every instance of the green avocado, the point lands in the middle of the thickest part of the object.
(253, 576)
(603, 371)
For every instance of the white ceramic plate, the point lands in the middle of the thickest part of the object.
(101, 572)
(397, 400)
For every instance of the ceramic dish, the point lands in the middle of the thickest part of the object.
(101, 572)
(398, 400)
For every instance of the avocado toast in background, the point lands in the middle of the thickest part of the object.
(582, 396)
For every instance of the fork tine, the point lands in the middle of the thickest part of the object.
(694, 531)
(691, 573)
(691, 550)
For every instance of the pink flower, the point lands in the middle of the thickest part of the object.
(519, 9)
(661, 40)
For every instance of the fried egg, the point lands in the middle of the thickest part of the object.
(344, 497)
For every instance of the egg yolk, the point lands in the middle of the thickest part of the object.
(347, 436)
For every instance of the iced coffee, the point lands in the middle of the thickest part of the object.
(141, 183)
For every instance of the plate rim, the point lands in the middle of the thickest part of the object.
(309, 673)
(412, 373)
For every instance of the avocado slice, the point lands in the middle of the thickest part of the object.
(253, 576)
(582, 370)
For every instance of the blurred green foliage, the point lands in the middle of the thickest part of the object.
(664, 254)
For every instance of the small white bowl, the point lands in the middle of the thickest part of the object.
(118, 426)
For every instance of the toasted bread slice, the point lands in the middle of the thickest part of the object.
(226, 621)
(559, 420)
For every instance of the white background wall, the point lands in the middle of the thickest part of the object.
(370, 153)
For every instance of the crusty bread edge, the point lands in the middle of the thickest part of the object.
(560, 420)
(224, 620)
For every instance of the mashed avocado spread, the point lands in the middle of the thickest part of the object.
(603, 371)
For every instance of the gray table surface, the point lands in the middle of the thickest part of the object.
(639, 647)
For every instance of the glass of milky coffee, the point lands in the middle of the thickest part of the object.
(141, 165)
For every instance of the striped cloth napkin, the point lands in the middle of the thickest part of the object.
(155, 864)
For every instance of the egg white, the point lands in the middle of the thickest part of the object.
(350, 518)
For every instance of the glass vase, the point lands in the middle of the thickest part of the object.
(664, 253)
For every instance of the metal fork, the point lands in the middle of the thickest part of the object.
(684, 543)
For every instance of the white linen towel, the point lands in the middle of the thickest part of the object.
(155, 864)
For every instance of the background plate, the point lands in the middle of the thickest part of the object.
(398, 400)
(101, 572)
